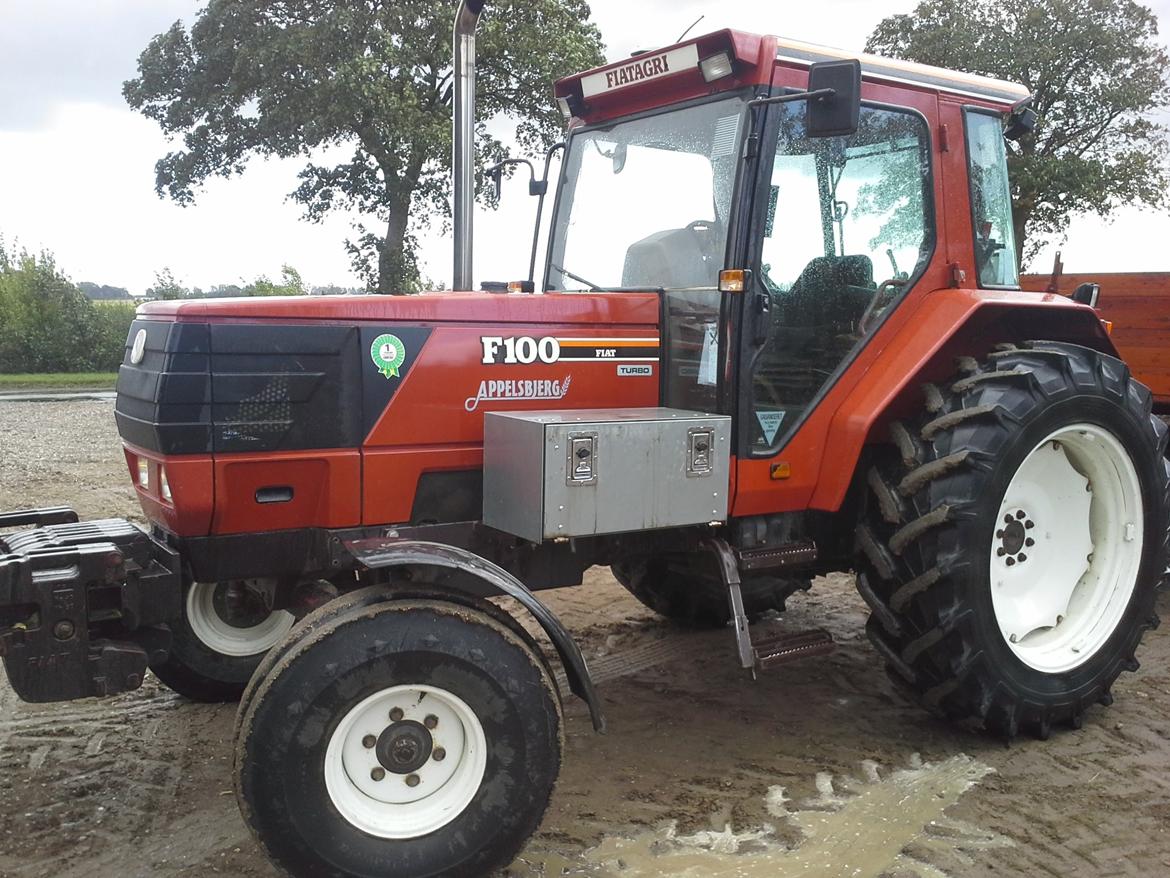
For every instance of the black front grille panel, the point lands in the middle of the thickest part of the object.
(203, 388)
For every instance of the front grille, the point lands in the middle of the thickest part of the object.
(204, 388)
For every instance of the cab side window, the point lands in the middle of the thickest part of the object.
(850, 227)
(991, 202)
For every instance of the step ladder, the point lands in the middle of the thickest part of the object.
(771, 651)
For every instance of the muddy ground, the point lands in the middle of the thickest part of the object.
(819, 768)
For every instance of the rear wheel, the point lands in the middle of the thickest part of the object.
(404, 737)
(219, 641)
(1011, 557)
(688, 589)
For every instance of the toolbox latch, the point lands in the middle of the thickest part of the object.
(700, 451)
(582, 468)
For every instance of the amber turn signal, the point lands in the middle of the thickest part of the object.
(733, 280)
(781, 470)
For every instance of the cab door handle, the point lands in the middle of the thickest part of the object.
(761, 317)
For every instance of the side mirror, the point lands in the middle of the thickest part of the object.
(1087, 294)
(1020, 123)
(837, 114)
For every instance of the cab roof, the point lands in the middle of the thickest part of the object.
(672, 73)
(884, 69)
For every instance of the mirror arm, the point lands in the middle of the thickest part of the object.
(820, 94)
(540, 189)
(496, 172)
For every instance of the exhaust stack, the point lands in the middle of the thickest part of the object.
(463, 160)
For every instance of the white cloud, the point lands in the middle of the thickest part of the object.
(83, 187)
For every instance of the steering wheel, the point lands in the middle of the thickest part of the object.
(876, 305)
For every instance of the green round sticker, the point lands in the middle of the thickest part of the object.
(388, 353)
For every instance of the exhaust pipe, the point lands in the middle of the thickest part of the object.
(463, 160)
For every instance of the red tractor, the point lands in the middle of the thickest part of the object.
(781, 334)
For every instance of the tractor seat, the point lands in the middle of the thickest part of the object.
(830, 291)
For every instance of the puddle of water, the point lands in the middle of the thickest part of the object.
(852, 828)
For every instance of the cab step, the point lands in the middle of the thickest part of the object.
(756, 656)
(783, 648)
(773, 557)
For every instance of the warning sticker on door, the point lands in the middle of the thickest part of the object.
(769, 423)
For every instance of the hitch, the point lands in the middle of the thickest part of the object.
(82, 604)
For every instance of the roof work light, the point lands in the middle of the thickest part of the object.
(716, 66)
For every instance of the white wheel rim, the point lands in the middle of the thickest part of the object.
(219, 635)
(1067, 548)
(406, 802)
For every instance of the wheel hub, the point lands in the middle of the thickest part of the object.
(404, 747)
(405, 761)
(1013, 537)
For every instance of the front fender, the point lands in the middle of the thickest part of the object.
(382, 554)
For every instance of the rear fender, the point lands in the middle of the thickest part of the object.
(949, 324)
(473, 575)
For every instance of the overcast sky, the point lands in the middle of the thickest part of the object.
(77, 166)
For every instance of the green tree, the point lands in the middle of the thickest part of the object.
(1097, 72)
(303, 78)
(290, 284)
(166, 286)
(48, 325)
(111, 329)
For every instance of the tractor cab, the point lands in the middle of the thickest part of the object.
(819, 188)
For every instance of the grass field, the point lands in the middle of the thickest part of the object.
(59, 381)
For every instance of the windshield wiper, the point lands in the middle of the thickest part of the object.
(592, 286)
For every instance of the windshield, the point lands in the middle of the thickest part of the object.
(646, 201)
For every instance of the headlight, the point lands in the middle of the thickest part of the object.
(143, 472)
(164, 487)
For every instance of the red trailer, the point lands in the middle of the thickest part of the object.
(1137, 304)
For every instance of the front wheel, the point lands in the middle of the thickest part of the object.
(224, 633)
(401, 738)
(1011, 556)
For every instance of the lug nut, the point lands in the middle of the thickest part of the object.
(1029, 542)
(369, 741)
(63, 630)
(378, 773)
(1007, 519)
(438, 754)
(1021, 515)
(431, 721)
(1022, 558)
(1011, 561)
(412, 780)
(1001, 551)
(396, 714)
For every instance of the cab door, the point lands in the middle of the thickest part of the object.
(846, 229)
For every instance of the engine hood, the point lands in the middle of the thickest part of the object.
(439, 307)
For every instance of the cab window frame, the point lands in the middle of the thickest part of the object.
(750, 353)
(970, 110)
(564, 201)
